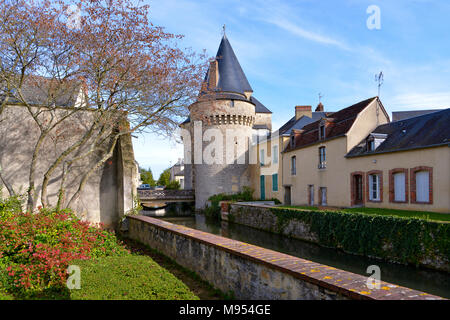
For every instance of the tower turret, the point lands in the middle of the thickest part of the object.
(226, 112)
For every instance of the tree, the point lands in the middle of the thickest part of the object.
(173, 185)
(164, 178)
(131, 76)
(147, 177)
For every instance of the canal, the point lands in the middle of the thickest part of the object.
(426, 280)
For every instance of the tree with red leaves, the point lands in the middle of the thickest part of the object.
(127, 73)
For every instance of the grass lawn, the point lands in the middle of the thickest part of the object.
(144, 274)
(435, 216)
(133, 277)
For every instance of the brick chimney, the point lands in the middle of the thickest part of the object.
(319, 107)
(213, 74)
(301, 111)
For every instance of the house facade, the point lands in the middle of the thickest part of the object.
(177, 173)
(351, 157)
(357, 157)
(404, 165)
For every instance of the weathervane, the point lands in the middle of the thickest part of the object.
(223, 29)
(379, 78)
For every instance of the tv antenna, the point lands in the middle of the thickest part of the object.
(320, 96)
(380, 79)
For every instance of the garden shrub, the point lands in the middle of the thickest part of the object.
(37, 248)
(214, 209)
(10, 206)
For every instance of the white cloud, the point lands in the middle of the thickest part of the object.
(418, 101)
(303, 33)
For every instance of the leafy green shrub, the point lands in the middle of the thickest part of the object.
(10, 206)
(274, 200)
(36, 249)
(214, 209)
(132, 277)
(173, 185)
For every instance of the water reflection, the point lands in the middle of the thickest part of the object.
(430, 281)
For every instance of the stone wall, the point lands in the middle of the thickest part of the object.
(251, 272)
(107, 195)
(226, 130)
(428, 254)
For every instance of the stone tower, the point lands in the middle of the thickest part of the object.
(221, 125)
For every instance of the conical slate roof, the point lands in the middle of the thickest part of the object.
(231, 76)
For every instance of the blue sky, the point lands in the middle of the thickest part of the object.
(292, 50)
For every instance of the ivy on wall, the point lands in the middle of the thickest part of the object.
(404, 240)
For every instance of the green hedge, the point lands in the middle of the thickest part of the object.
(246, 195)
(405, 240)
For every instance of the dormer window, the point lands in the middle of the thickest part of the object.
(371, 145)
(374, 140)
(292, 141)
(321, 131)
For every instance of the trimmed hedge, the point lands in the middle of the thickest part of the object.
(404, 240)
(245, 196)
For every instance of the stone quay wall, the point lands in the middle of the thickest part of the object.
(426, 242)
(251, 272)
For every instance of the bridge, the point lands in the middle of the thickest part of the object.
(158, 197)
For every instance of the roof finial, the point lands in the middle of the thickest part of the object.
(224, 34)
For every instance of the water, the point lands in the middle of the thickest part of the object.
(430, 281)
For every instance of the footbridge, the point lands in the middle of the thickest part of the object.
(165, 196)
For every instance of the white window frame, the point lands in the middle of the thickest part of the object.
(374, 181)
(322, 157)
(422, 191)
(275, 154)
(399, 190)
(293, 165)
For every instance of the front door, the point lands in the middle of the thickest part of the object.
(263, 188)
(358, 185)
(287, 196)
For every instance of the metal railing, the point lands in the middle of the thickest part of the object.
(165, 194)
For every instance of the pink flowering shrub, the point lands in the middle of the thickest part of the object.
(37, 248)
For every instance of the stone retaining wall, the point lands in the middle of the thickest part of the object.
(262, 218)
(252, 272)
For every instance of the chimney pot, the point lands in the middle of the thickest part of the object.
(213, 75)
